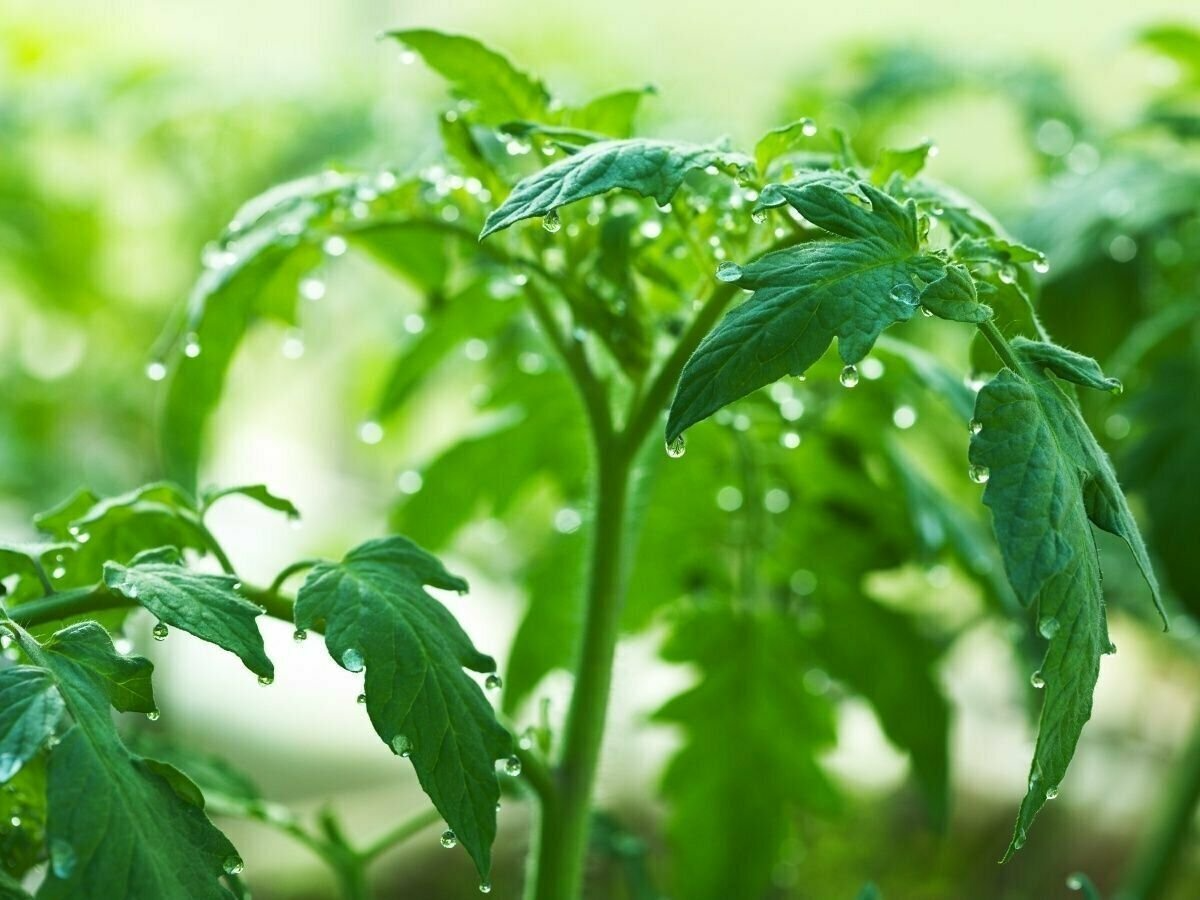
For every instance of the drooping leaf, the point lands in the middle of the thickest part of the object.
(260, 493)
(377, 615)
(1047, 482)
(805, 296)
(499, 90)
(30, 709)
(117, 820)
(1065, 364)
(648, 167)
(748, 765)
(202, 604)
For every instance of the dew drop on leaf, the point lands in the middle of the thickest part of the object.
(905, 293)
(729, 272)
(1051, 793)
(485, 887)
(759, 216)
(1041, 265)
(551, 222)
(233, 865)
(975, 426)
(979, 474)
(402, 746)
(849, 376)
(1048, 627)
(160, 632)
(677, 447)
(493, 682)
(266, 680)
(352, 660)
(927, 312)
(449, 839)
(808, 127)
(512, 766)
(1037, 680)
(1008, 274)
(153, 715)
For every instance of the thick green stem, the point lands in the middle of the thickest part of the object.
(563, 833)
(1170, 828)
(998, 342)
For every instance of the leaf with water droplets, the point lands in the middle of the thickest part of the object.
(30, 708)
(1065, 364)
(32, 564)
(807, 295)
(954, 297)
(499, 90)
(202, 604)
(117, 820)
(374, 603)
(648, 167)
(1048, 483)
(782, 140)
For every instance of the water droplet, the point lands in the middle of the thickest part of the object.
(360, 699)
(1051, 792)
(849, 376)
(449, 839)
(233, 865)
(872, 369)
(650, 229)
(927, 312)
(1037, 680)
(776, 500)
(312, 288)
(156, 370)
(266, 680)
(677, 447)
(1074, 883)
(1041, 265)
(729, 272)
(485, 887)
(409, 482)
(493, 682)
(1122, 248)
(789, 440)
(979, 474)
(59, 572)
(512, 766)
(62, 858)
(335, 245)
(905, 293)
(551, 222)
(904, 417)
(370, 432)
(300, 634)
(729, 498)
(407, 57)
(191, 347)
(759, 216)
(1048, 627)
(293, 344)
(975, 426)
(153, 715)
(402, 746)
(160, 632)
(933, 151)
(352, 660)
(1008, 274)
(567, 520)
(808, 127)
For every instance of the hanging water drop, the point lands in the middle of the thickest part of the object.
(927, 312)
(1037, 680)
(729, 272)
(1008, 274)
(975, 426)
(485, 887)
(360, 699)
(759, 216)
(299, 635)
(808, 127)
(402, 746)
(352, 660)
(677, 447)
(156, 371)
(1041, 265)
(979, 474)
(849, 376)
(449, 839)
(905, 293)
(493, 682)
(551, 222)
(266, 680)
(233, 865)
(152, 715)
(160, 632)
(1048, 627)
(512, 766)
(1051, 793)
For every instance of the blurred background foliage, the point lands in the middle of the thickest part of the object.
(121, 159)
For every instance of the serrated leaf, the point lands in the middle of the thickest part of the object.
(499, 90)
(207, 606)
(377, 615)
(114, 819)
(1066, 364)
(648, 167)
(954, 297)
(259, 493)
(779, 141)
(1048, 481)
(905, 163)
(30, 708)
(748, 765)
(773, 195)
(805, 296)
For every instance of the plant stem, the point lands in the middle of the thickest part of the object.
(557, 867)
(998, 342)
(1171, 824)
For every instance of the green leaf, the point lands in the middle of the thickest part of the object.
(905, 163)
(793, 191)
(500, 91)
(805, 296)
(611, 114)
(648, 167)
(11, 889)
(753, 733)
(1066, 364)
(377, 614)
(30, 708)
(116, 820)
(207, 606)
(260, 493)
(1047, 480)
(954, 297)
(28, 561)
(780, 141)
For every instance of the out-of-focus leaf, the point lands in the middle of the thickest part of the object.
(260, 493)
(30, 709)
(377, 614)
